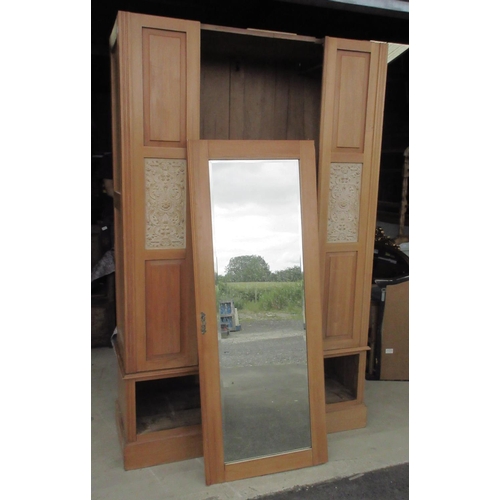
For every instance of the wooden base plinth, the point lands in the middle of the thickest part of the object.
(161, 447)
(346, 418)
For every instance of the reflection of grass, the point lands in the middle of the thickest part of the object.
(263, 300)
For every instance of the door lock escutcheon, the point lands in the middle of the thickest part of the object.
(203, 323)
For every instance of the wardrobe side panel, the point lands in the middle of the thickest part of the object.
(161, 90)
(350, 137)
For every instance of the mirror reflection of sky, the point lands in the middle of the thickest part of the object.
(256, 211)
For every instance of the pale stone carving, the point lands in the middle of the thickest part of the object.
(165, 203)
(343, 204)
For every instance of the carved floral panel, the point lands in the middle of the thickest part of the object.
(343, 203)
(165, 203)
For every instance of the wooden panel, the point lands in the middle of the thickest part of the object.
(312, 107)
(361, 376)
(260, 33)
(200, 152)
(237, 102)
(169, 336)
(163, 308)
(163, 152)
(164, 67)
(120, 156)
(116, 115)
(126, 407)
(312, 293)
(163, 447)
(295, 106)
(214, 100)
(340, 294)
(254, 149)
(394, 355)
(254, 99)
(346, 418)
(208, 354)
(350, 100)
(350, 414)
(281, 103)
(259, 95)
(166, 373)
(165, 254)
(369, 192)
(345, 351)
(155, 111)
(350, 134)
(119, 281)
(268, 465)
(345, 370)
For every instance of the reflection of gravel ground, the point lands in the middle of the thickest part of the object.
(269, 326)
(263, 343)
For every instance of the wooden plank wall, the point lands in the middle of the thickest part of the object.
(248, 97)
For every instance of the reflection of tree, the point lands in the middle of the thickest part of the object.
(253, 268)
(247, 268)
(290, 274)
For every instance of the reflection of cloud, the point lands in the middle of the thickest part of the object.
(256, 211)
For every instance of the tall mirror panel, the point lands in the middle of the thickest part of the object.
(259, 288)
(256, 268)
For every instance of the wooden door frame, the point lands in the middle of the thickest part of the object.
(199, 154)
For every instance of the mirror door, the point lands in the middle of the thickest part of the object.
(253, 206)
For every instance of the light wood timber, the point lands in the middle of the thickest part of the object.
(162, 447)
(208, 354)
(268, 465)
(353, 94)
(163, 308)
(164, 87)
(126, 408)
(262, 33)
(378, 73)
(120, 130)
(343, 352)
(151, 375)
(350, 101)
(165, 254)
(310, 248)
(164, 152)
(339, 294)
(152, 448)
(258, 102)
(156, 68)
(346, 418)
(353, 81)
(200, 152)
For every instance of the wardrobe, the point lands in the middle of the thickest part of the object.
(182, 93)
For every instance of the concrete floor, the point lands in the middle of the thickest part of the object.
(383, 442)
